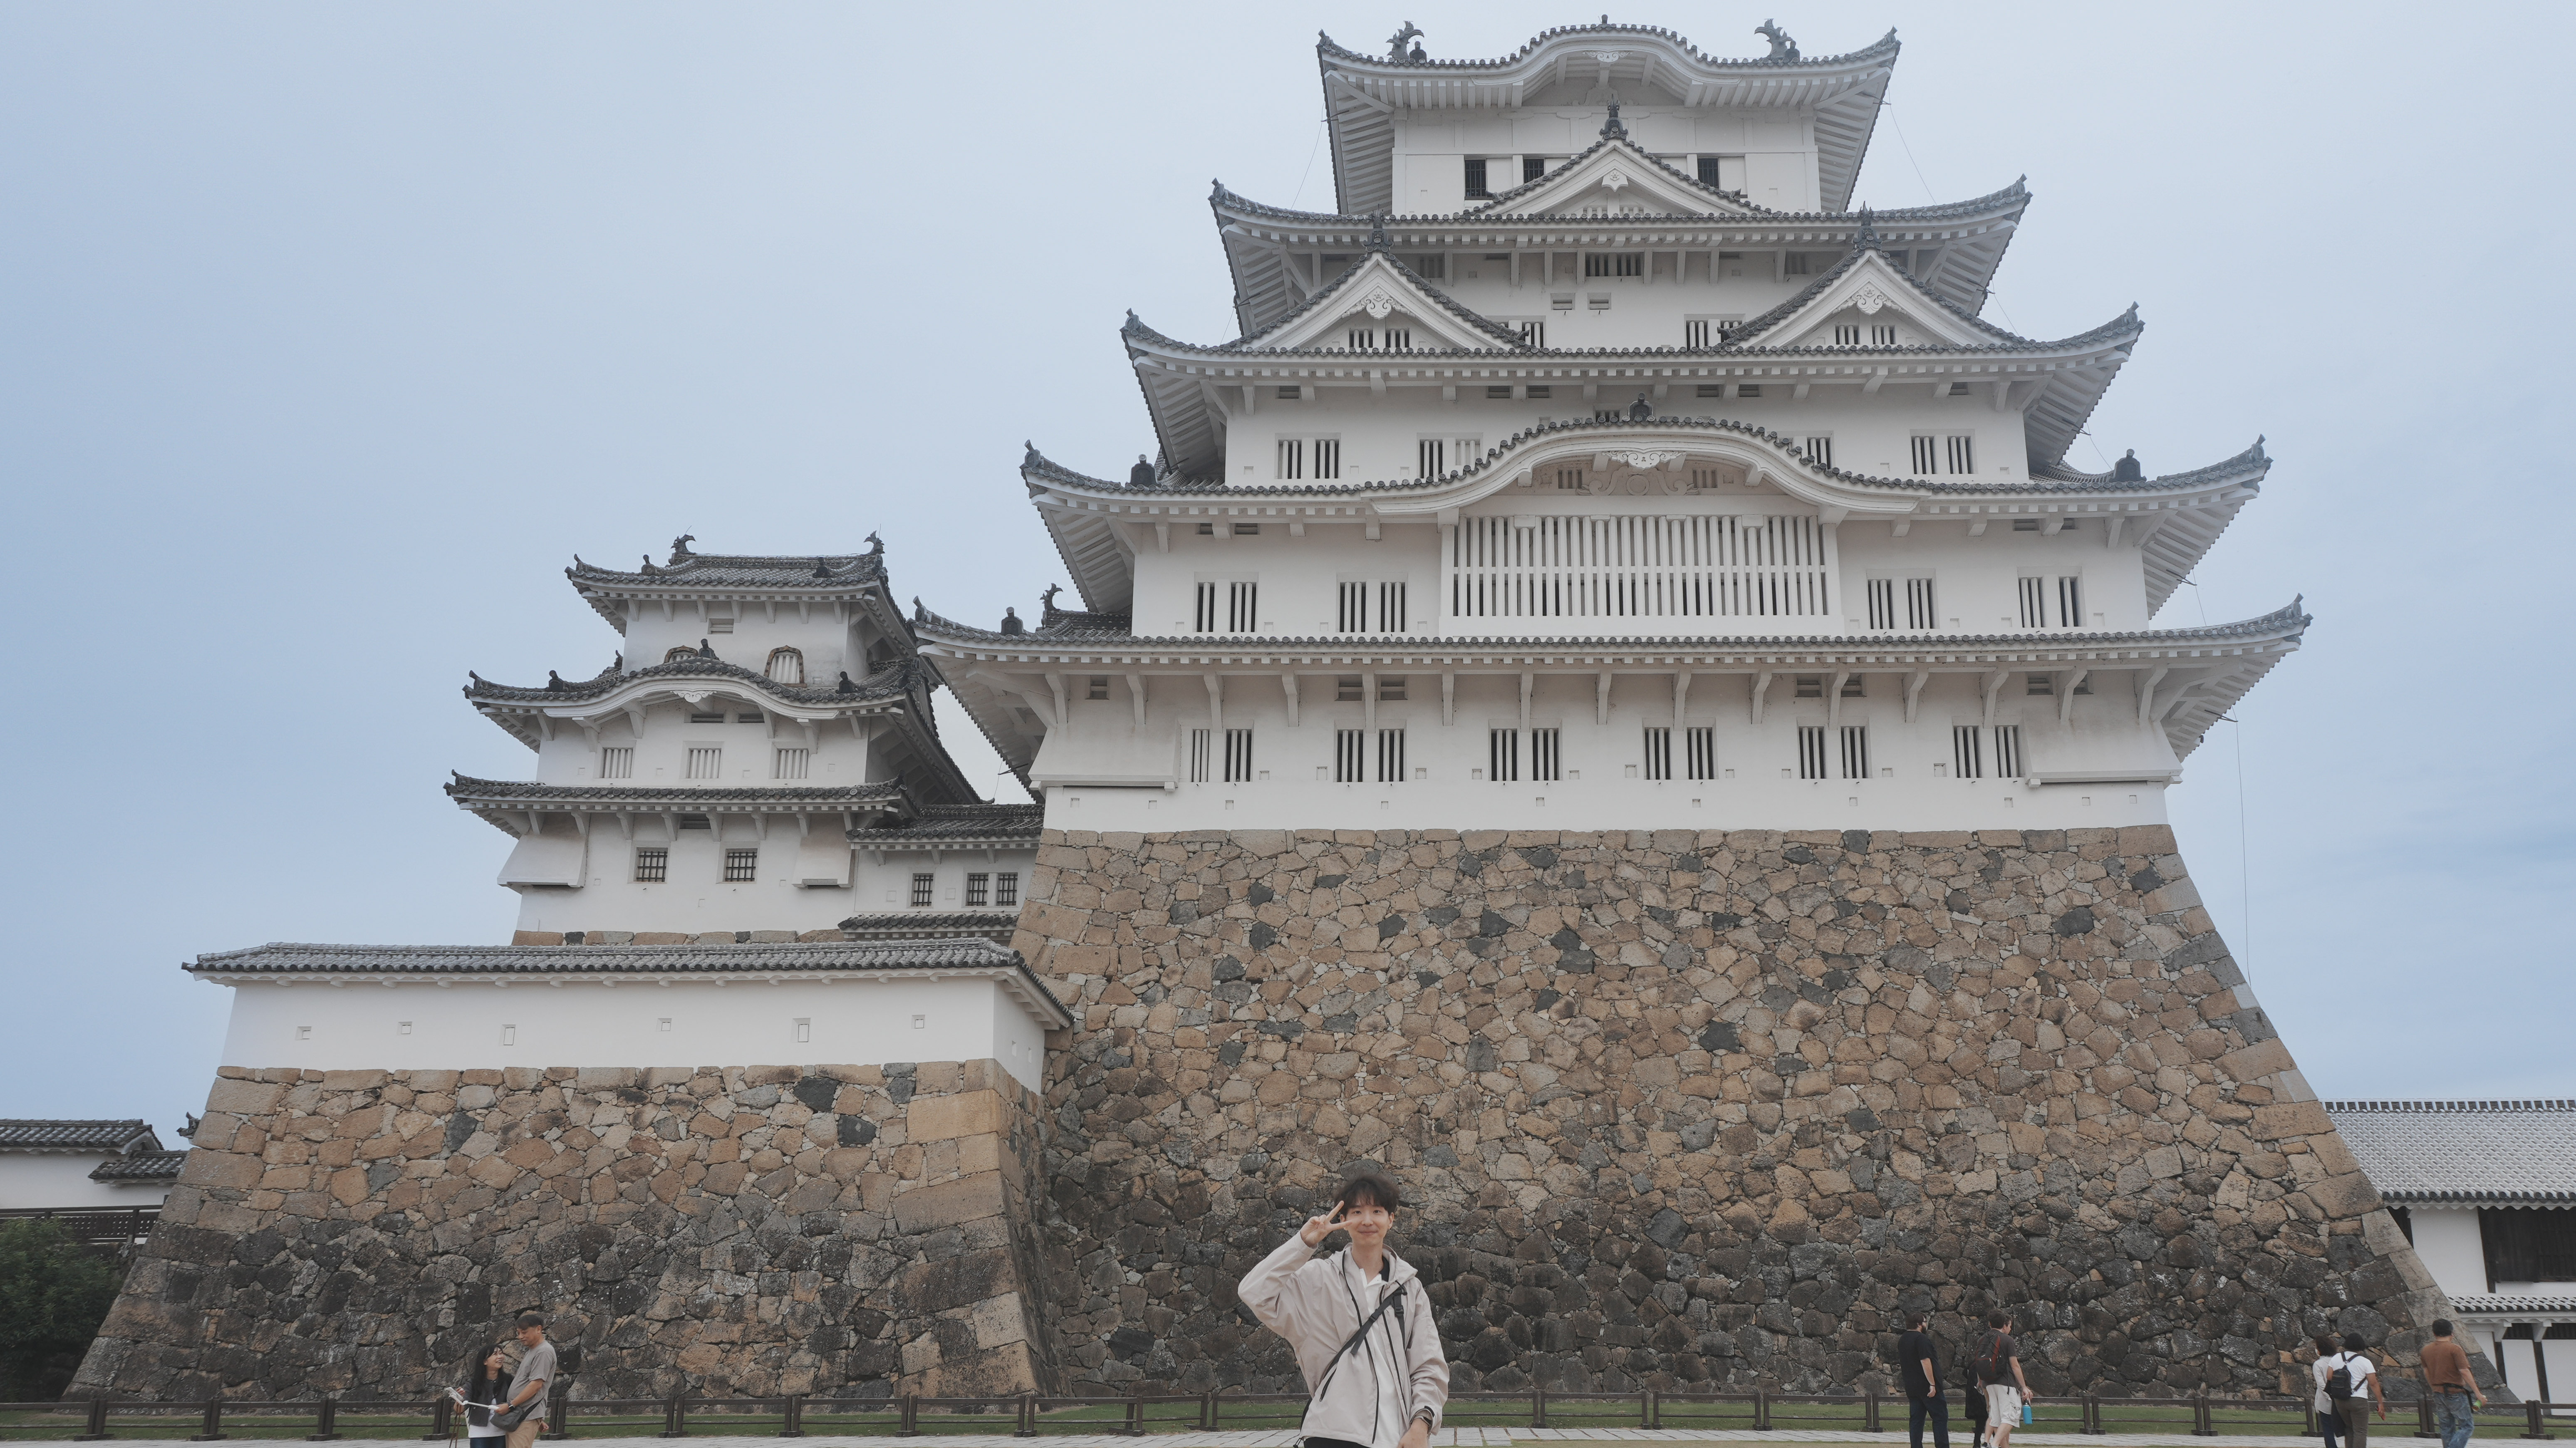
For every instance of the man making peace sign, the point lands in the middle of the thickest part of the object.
(1360, 1323)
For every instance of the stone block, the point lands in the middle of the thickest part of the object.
(928, 1208)
(940, 1118)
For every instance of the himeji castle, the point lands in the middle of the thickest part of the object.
(1608, 700)
(1596, 467)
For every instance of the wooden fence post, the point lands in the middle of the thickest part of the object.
(1869, 1411)
(791, 1423)
(2531, 1414)
(911, 1426)
(2200, 1420)
(1761, 1409)
(1135, 1427)
(97, 1427)
(441, 1421)
(214, 1423)
(2092, 1416)
(1207, 1412)
(675, 1416)
(323, 1421)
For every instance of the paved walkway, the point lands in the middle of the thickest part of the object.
(1445, 1438)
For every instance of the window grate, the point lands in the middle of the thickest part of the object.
(1659, 752)
(1238, 756)
(1846, 336)
(979, 889)
(1919, 613)
(705, 762)
(1967, 751)
(1809, 686)
(1390, 756)
(1006, 888)
(1534, 334)
(1855, 751)
(1820, 451)
(2008, 751)
(2034, 602)
(1328, 458)
(1392, 615)
(1882, 602)
(1242, 607)
(1963, 453)
(1390, 689)
(1699, 743)
(1882, 336)
(792, 763)
(1532, 168)
(1927, 453)
(1201, 742)
(741, 866)
(1292, 458)
(1694, 334)
(1811, 751)
(715, 717)
(2070, 602)
(1203, 617)
(921, 887)
(1476, 178)
(652, 866)
(1545, 759)
(1614, 263)
(1502, 755)
(1350, 756)
(1347, 689)
(1637, 567)
(1430, 458)
(1097, 690)
(617, 762)
(787, 666)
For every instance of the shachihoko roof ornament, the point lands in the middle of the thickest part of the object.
(1782, 46)
(1611, 129)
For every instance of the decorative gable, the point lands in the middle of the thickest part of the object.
(1614, 178)
(1866, 302)
(1382, 305)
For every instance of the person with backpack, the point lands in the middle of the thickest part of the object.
(2346, 1373)
(1360, 1323)
(2329, 1425)
(1999, 1373)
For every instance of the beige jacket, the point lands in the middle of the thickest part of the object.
(1317, 1303)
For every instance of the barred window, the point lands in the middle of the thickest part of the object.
(793, 763)
(1390, 756)
(1350, 756)
(1242, 606)
(1927, 455)
(1700, 743)
(1204, 619)
(979, 889)
(2034, 602)
(1546, 760)
(787, 666)
(1820, 451)
(1811, 751)
(706, 761)
(617, 762)
(1503, 755)
(1695, 334)
(1855, 751)
(921, 884)
(1390, 688)
(673, 656)
(1006, 888)
(1963, 453)
(1199, 751)
(1476, 177)
(1569, 479)
(2070, 603)
(1238, 756)
(2008, 751)
(652, 865)
(1967, 751)
(1659, 752)
(1846, 336)
(741, 865)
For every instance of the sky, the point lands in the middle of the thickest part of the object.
(329, 334)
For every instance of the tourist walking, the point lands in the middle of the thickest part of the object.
(2453, 1386)
(1999, 1373)
(2329, 1423)
(1920, 1365)
(530, 1380)
(487, 1377)
(2348, 1373)
(1360, 1323)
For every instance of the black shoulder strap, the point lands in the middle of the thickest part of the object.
(1350, 1346)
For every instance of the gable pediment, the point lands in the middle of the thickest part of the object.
(1614, 179)
(1381, 305)
(1869, 303)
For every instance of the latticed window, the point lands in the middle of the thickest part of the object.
(1546, 760)
(787, 666)
(1476, 177)
(1695, 334)
(1811, 751)
(1700, 741)
(1242, 607)
(921, 887)
(1350, 756)
(794, 763)
(1006, 888)
(1967, 751)
(1846, 336)
(1820, 451)
(652, 865)
(617, 762)
(1503, 755)
(1659, 752)
(741, 866)
(1238, 756)
(979, 889)
(1855, 751)
(706, 761)
(1927, 455)
(1963, 453)
(2008, 751)
(1390, 756)
(1201, 746)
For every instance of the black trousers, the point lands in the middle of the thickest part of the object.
(1936, 1408)
(1332, 1443)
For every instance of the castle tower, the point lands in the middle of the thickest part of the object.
(1614, 702)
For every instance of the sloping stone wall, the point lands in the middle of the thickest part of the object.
(1693, 1108)
(749, 1230)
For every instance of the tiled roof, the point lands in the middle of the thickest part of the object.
(469, 791)
(22, 1134)
(1480, 215)
(1885, 45)
(1038, 464)
(2481, 1302)
(993, 925)
(840, 573)
(896, 683)
(963, 954)
(2463, 1151)
(2056, 640)
(1505, 339)
(143, 1166)
(942, 824)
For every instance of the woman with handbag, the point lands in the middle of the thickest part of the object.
(487, 1377)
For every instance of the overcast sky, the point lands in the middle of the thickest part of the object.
(329, 333)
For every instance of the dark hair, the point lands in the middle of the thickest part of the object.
(532, 1319)
(1368, 1188)
(2441, 1327)
(2352, 1342)
(1916, 1316)
(1999, 1319)
(2325, 1344)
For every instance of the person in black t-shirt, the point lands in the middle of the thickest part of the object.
(1922, 1370)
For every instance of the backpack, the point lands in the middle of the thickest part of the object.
(1993, 1371)
(2339, 1382)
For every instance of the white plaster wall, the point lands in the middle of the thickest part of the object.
(43, 1179)
(1378, 430)
(466, 1025)
(696, 898)
(1431, 146)
(829, 644)
(2448, 1244)
(840, 757)
(1912, 786)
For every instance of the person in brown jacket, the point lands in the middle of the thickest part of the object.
(2453, 1386)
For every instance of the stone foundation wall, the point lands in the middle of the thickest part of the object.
(1693, 1108)
(753, 1230)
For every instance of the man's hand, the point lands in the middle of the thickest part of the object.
(1417, 1436)
(1317, 1229)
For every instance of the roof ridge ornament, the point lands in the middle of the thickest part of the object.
(1011, 623)
(1141, 475)
(680, 547)
(876, 546)
(1641, 409)
(1377, 232)
(1868, 234)
(1612, 130)
(706, 650)
(1782, 47)
(1395, 43)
